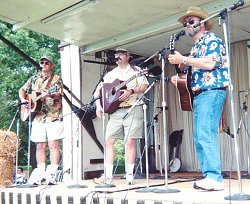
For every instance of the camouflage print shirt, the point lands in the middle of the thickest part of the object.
(51, 108)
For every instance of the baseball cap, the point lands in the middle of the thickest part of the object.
(50, 59)
(122, 50)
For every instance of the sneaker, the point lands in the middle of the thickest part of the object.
(209, 185)
(52, 175)
(37, 177)
(129, 179)
(103, 180)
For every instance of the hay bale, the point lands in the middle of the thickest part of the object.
(7, 157)
(6, 171)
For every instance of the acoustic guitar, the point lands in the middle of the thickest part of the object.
(112, 91)
(183, 82)
(34, 103)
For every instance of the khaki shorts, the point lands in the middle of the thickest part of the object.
(130, 127)
(41, 132)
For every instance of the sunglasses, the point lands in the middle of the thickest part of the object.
(190, 22)
(46, 63)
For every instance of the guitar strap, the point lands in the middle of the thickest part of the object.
(49, 82)
(47, 86)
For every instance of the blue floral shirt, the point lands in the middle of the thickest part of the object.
(210, 46)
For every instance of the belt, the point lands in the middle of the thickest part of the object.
(196, 93)
(123, 107)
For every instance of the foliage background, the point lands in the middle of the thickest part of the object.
(14, 72)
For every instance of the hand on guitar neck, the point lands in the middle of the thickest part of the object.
(182, 80)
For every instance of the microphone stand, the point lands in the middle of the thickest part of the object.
(29, 133)
(165, 141)
(147, 189)
(222, 16)
(161, 54)
(77, 185)
(245, 122)
(16, 117)
(240, 195)
(105, 185)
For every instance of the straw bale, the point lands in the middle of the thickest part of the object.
(7, 157)
(7, 143)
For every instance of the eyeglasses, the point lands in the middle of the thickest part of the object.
(190, 22)
(46, 63)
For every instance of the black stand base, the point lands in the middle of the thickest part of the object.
(239, 196)
(13, 186)
(166, 190)
(105, 186)
(140, 176)
(246, 176)
(27, 185)
(145, 190)
(77, 186)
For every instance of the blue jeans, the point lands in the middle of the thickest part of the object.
(207, 113)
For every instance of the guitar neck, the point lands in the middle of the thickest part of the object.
(118, 87)
(37, 98)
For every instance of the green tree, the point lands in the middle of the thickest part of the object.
(15, 70)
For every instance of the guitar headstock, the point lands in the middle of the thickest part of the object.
(171, 44)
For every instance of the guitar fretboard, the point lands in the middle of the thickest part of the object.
(125, 82)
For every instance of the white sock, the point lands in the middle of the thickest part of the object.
(130, 168)
(41, 167)
(53, 167)
(109, 170)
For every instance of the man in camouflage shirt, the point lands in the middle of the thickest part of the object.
(47, 124)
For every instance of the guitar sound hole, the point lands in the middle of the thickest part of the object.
(113, 91)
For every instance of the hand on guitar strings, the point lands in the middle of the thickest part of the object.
(125, 94)
(175, 78)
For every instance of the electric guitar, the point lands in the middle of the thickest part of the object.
(34, 104)
(183, 82)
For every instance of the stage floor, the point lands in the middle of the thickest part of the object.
(69, 192)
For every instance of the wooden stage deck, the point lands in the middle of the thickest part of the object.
(124, 194)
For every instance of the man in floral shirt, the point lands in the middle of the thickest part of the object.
(209, 79)
(47, 124)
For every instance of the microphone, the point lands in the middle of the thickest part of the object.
(161, 108)
(238, 4)
(178, 35)
(196, 25)
(22, 103)
(158, 77)
(117, 59)
(246, 90)
(94, 99)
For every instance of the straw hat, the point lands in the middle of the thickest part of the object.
(198, 12)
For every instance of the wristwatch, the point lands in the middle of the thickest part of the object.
(185, 60)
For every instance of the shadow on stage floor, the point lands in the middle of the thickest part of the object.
(151, 191)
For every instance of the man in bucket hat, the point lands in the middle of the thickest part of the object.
(209, 79)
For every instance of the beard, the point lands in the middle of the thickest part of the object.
(192, 31)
